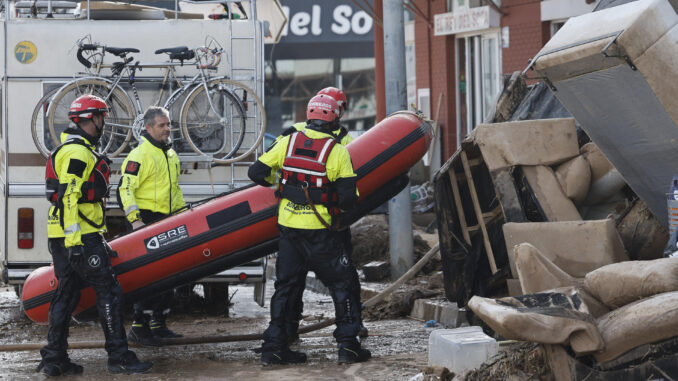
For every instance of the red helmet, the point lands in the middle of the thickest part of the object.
(337, 95)
(85, 106)
(322, 107)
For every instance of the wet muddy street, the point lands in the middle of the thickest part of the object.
(399, 347)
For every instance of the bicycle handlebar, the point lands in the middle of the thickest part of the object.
(82, 59)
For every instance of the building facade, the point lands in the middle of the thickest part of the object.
(465, 48)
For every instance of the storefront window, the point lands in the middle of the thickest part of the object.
(478, 79)
(291, 83)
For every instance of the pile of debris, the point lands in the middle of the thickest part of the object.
(568, 217)
(370, 240)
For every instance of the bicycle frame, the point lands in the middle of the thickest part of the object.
(169, 72)
(110, 88)
(170, 77)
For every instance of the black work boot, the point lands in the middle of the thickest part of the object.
(128, 364)
(282, 356)
(353, 353)
(159, 330)
(61, 368)
(292, 330)
(363, 331)
(141, 334)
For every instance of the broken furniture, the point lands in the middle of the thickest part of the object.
(502, 173)
(614, 71)
(636, 337)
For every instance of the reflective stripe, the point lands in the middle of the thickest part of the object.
(300, 158)
(72, 229)
(324, 150)
(131, 209)
(290, 144)
(304, 171)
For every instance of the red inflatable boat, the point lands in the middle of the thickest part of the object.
(238, 227)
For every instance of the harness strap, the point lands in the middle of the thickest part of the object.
(315, 211)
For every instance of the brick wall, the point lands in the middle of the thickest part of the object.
(435, 56)
(435, 70)
(527, 34)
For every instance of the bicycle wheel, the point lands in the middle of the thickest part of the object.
(216, 122)
(41, 135)
(173, 105)
(119, 120)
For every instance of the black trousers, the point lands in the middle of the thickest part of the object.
(297, 298)
(92, 269)
(322, 251)
(157, 306)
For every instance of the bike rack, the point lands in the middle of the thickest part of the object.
(252, 75)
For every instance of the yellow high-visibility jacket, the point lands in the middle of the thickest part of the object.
(150, 181)
(74, 164)
(300, 127)
(338, 166)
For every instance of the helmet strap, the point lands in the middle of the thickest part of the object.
(320, 125)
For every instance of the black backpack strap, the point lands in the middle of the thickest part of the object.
(288, 131)
(342, 133)
(92, 223)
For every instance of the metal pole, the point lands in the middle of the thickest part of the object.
(337, 74)
(5, 133)
(379, 62)
(399, 207)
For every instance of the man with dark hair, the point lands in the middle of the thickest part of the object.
(316, 177)
(77, 184)
(149, 190)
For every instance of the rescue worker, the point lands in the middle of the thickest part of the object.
(149, 190)
(343, 137)
(77, 184)
(317, 175)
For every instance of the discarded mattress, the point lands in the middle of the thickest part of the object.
(643, 322)
(547, 318)
(619, 284)
(613, 71)
(236, 228)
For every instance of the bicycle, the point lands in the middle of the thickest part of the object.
(212, 105)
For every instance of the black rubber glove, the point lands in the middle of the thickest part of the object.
(111, 253)
(75, 253)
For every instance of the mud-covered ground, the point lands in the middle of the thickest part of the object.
(399, 346)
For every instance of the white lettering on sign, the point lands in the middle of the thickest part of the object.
(315, 25)
(299, 23)
(361, 23)
(344, 21)
(464, 20)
